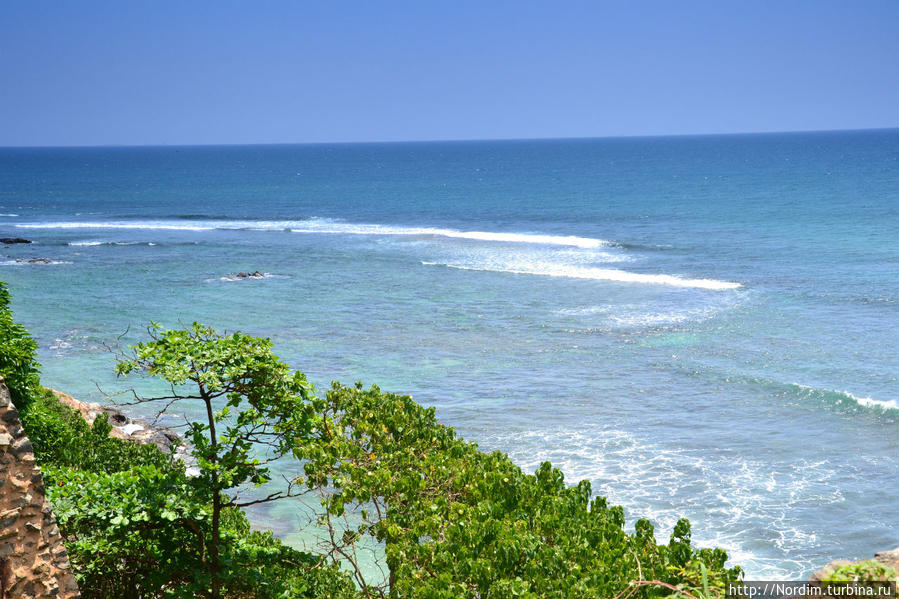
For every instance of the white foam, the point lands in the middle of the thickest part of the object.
(638, 319)
(60, 344)
(95, 243)
(600, 274)
(142, 225)
(639, 316)
(869, 402)
(728, 498)
(326, 226)
(9, 215)
(234, 277)
(23, 262)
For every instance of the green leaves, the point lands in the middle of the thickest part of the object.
(457, 522)
(135, 526)
(18, 365)
(451, 520)
(257, 411)
(61, 437)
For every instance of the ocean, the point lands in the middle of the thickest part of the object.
(701, 326)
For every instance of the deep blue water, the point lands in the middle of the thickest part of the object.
(701, 326)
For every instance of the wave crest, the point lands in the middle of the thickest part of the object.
(843, 397)
(601, 274)
(326, 226)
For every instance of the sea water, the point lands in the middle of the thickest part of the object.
(701, 326)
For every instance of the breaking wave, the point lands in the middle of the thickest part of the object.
(600, 274)
(325, 226)
(844, 397)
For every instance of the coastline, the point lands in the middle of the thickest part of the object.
(125, 427)
(142, 432)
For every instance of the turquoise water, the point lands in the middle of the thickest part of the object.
(701, 326)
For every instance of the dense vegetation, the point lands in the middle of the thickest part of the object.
(135, 524)
(447, 519)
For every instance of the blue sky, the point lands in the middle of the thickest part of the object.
(161, 72)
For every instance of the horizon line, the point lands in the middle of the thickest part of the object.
(444, 140)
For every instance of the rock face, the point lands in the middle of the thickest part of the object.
(136, 431)
(887, 558)
(123, 426)
(33, 559)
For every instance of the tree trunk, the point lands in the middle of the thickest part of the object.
(214, 563)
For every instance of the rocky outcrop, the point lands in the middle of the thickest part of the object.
(13, 240)
(246, 275)
(123, 426)
(33, 559)
(887, 558)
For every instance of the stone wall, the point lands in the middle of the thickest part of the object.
(33, 559)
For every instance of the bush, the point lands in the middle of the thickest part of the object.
(17, 355)
(62, 438)
(456, 522)
(869, 570)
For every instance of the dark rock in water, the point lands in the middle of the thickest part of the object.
(244, 275)
(37, 261)
(12, 240)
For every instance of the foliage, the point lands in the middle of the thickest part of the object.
(451, 521)
(127, 531)
(252, 400)
(224, 373)
(864, 571)
(456, 522)
(868, 577)
(141, 533)
(134, 523)
(62, 437)
(17, 355)
(266, 567)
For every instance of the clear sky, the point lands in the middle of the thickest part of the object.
(206, 72)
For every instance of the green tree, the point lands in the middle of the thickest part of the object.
(135, 525)
(455, 522)
(257, 411)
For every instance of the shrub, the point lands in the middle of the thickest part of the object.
(17, 355)
(456, 522)
(62, 438)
